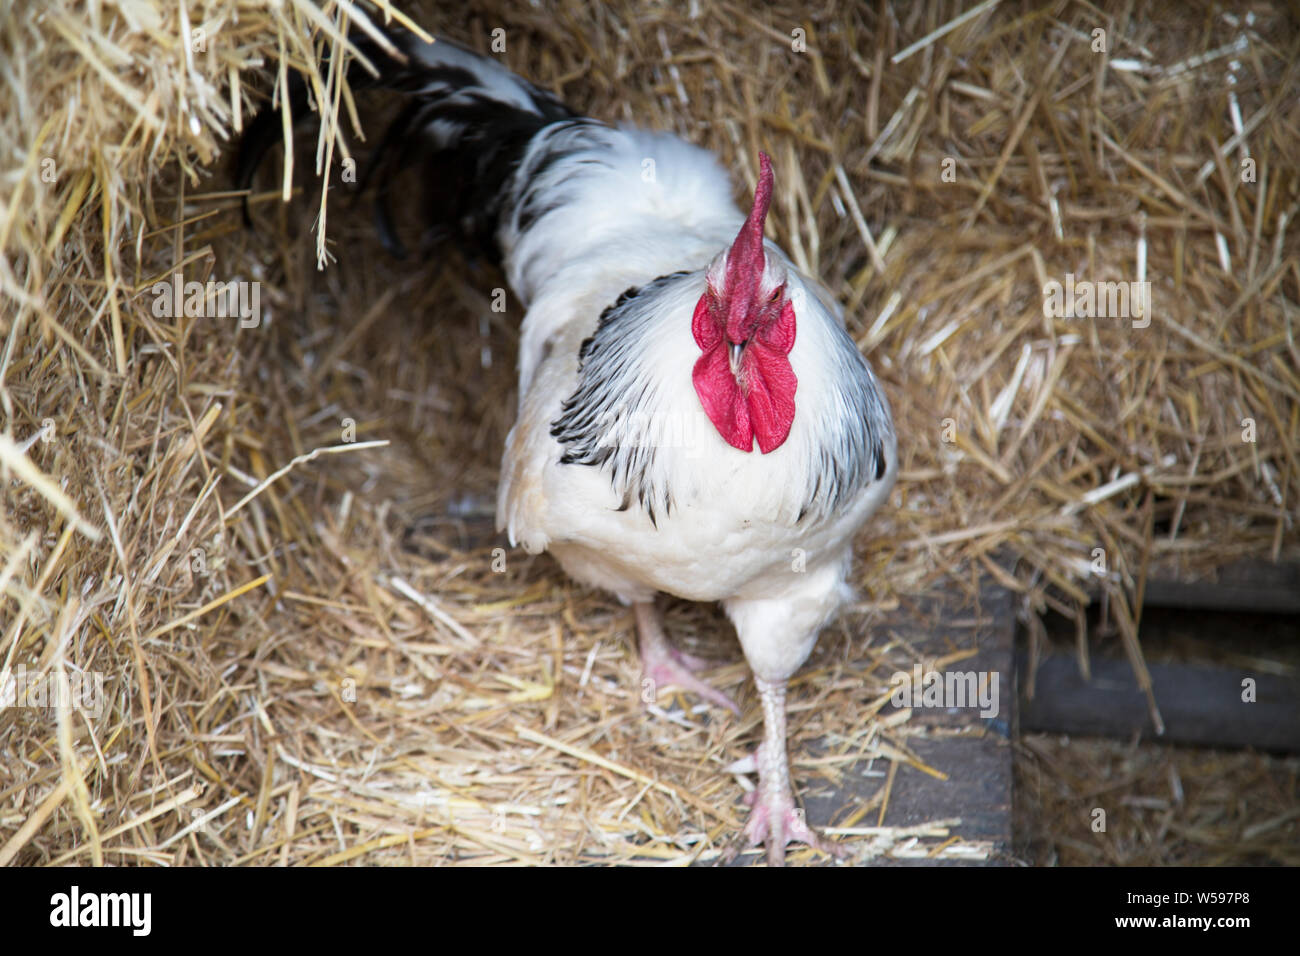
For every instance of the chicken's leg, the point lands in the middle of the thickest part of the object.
(662, 664)
(774, 819)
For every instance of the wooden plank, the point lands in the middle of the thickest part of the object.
(974, 752)
(1256, 586)
(1200, 705)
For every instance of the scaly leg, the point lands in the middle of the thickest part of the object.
(662, 664)
(774, 819)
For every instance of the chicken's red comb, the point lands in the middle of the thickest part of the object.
(746, 258)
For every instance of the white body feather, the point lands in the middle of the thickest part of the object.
(733, 534)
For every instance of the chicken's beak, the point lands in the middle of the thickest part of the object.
(736, 349)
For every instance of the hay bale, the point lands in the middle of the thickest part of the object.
(310, 652)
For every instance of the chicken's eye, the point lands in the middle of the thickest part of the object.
(776, 294)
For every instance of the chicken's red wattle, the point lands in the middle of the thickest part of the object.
(758, 402)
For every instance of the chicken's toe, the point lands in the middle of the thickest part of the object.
(660, 672)
(776, 822)
(662, 665)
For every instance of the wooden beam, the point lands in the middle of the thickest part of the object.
(1200, 705)
(1255, 586)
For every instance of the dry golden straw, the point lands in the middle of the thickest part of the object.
(274, 696)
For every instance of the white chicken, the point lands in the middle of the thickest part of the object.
(664, 339)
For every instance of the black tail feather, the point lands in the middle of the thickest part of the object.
(458, 127)
(263, 133)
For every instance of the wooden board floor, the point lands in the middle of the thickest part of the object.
(974, 753)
